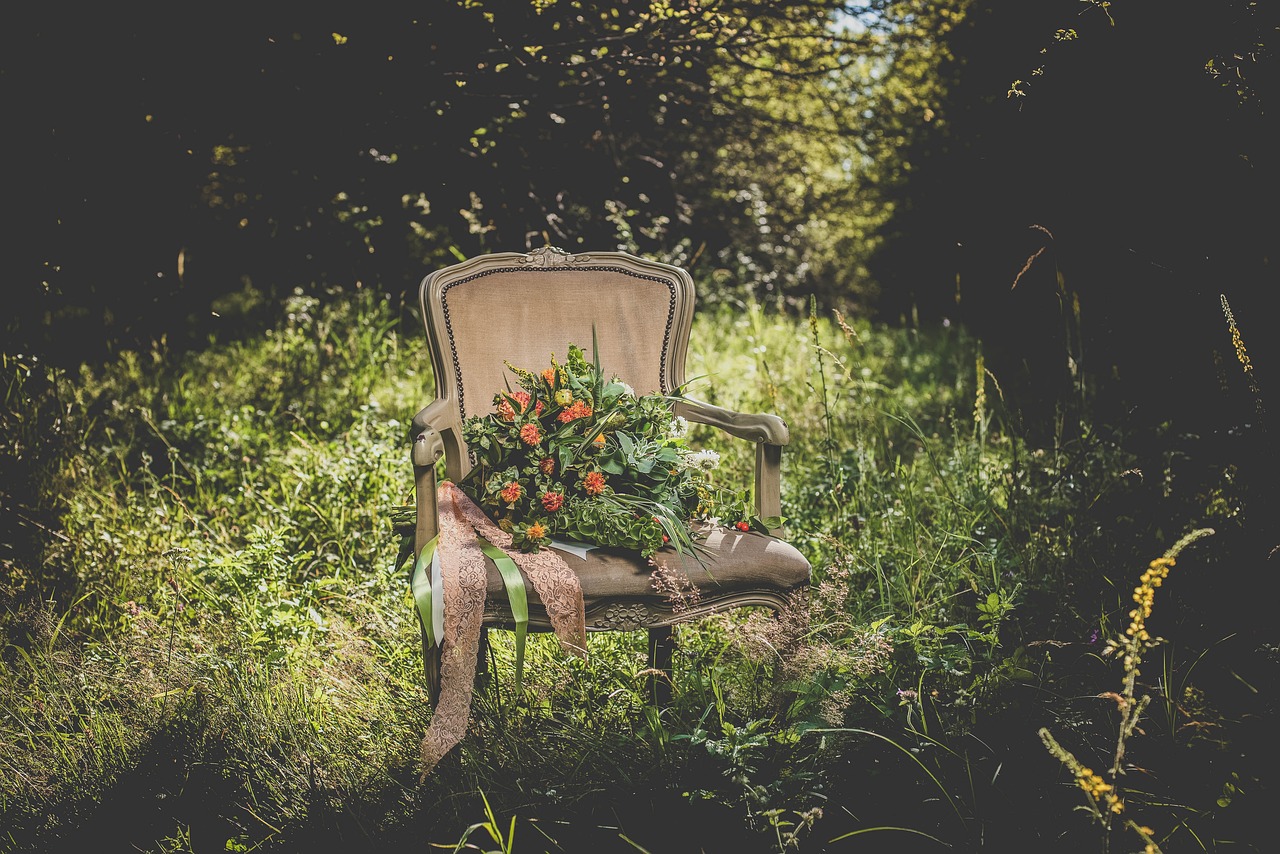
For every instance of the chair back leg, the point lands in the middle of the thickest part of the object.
(662, 642)
(482, 662)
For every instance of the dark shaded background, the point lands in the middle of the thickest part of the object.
(165, 174)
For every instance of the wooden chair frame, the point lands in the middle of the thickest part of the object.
(436, 429)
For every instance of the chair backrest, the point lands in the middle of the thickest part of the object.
(523, 308)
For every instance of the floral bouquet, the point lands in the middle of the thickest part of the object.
(571, 455)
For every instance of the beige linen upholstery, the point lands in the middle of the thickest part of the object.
(523, 308)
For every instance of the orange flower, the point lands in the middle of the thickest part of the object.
(523, 398)
(536, 531)
(599, 439)
(593, 483)
(550, 376)
(577, 409)
(530, 434)
(505, 412)
(547, 466)
(511, 492)
(552, 501)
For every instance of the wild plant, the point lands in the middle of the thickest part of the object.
(1104, 792)
(1242, 356)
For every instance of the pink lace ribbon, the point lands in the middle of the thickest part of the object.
(465, 581)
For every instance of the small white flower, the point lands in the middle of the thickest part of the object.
(679, 428)
(705, 460)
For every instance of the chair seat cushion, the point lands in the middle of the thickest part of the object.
(735, 569)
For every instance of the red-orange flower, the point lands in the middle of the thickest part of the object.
(547, 466)
(511, 492)
(593, 483)
(552, 501)
(577, 409)
(530, 434)
(505, 412)
(523, 398)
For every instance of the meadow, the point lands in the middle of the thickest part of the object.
(1023, 636)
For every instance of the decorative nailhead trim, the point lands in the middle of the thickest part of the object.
(448, 323)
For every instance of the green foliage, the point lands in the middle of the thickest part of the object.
(219, 557)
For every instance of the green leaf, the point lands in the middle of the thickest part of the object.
(595, 361)
(767, 524)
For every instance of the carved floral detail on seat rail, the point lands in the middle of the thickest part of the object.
(625, 617)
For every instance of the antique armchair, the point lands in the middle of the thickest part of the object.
(522, 308)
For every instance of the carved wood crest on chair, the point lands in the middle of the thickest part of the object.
(524, 307)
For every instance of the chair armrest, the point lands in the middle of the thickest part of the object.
(754, 427)
(434, 433)
(432, 419)
(768, 432)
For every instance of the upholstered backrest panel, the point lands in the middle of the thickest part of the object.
(525, 315)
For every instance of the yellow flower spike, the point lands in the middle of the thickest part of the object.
(1237, 342)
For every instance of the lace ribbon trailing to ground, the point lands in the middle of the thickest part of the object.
(464, 579)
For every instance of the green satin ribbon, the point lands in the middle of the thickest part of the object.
(420, 585)
(517, 598)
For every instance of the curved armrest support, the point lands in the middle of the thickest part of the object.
(435, 416)
(434, 434)
(768, 432)
(754, 427)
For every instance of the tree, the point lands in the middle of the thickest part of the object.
(1126, 173)
(169, 173)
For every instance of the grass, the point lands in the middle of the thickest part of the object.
(208, 645)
